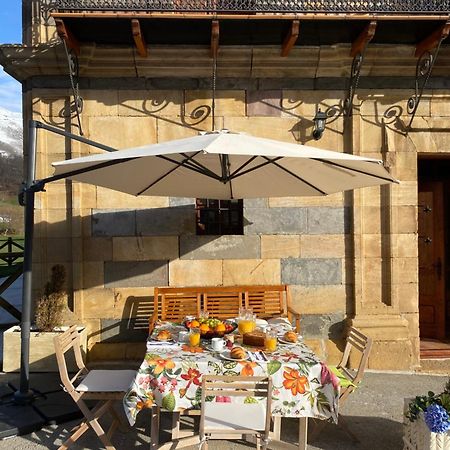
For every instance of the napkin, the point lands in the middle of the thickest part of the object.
(165, 345)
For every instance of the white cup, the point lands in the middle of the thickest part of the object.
(183, 336)
(217, 344)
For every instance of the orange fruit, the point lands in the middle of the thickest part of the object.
(220, 327)
(204, 328)
(194, 324)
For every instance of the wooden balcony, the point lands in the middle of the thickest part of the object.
(294, 23)
(332, 7)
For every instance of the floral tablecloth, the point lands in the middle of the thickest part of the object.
(170, 377)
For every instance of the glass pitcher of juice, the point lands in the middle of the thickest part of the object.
(246, 322)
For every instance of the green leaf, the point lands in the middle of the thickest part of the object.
(273, 366)
(230, 365)
(215, 367)
(168, 402)
(445, 400)
(230, 372)
(178, 371)
(250, 400)
(322, 402)
(198, 396)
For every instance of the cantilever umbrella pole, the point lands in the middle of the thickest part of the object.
(24, 395)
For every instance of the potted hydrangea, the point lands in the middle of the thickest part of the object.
(427, 423)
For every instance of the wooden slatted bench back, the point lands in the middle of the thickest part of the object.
(223, 302)
(266, 301)
(174, 304)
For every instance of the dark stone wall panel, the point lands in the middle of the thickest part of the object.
(136, 274)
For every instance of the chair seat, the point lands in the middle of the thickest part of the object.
(229, 416)
(107, 381)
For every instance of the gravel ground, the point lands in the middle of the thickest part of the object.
(374, 413)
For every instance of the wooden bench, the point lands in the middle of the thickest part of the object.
(266, 301)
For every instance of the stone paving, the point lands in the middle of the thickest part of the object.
(374, 412)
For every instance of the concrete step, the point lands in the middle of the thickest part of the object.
(435, 365)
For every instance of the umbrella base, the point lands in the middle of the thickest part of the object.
(41, 408)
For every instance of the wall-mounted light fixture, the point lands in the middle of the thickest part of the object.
(319, 124)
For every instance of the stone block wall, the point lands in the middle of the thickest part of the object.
(348, 257)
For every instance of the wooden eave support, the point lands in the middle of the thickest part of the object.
(363, 39)
(433, 39)
(138, 37)
(215, 31)
(67, 36)
(291, 38)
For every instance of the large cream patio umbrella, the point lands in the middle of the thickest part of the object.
(217, 165)
(225, 165)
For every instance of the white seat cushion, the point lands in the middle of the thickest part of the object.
(107, 381)
(229, 416)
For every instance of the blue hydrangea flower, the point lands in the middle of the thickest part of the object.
(437, 419)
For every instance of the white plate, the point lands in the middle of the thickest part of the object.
(165, 341)
(226, 355)
(282, 341)
(209, 348)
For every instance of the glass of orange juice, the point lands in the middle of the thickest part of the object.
(270, 341)
(194, 337)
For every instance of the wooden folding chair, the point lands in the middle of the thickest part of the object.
(220, 420)
(106, 386)
(350, 371)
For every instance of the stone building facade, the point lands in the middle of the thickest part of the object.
(350, 258)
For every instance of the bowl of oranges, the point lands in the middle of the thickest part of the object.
(211, 327)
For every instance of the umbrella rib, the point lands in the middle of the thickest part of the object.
(197, 164)
(192, 164)
(274, 162)
(235, 174)
(179, 164)
(350, 169)
(296, 176)
(243, 165)
(86, 169)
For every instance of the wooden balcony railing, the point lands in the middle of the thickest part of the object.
(388, 7)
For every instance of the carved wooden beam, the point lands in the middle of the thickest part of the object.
(67, 36)
(363, 39)
(138, 37)
(433, 39)
(291, 38)
(214, 38)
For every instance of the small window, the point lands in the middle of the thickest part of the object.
(219, 216)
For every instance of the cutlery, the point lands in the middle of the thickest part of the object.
(263, 355)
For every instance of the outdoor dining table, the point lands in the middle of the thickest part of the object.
(170, 377)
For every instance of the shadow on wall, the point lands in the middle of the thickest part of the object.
(116, 250)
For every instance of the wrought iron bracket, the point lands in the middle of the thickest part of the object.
(358, 50)
(77, 104)
(425, 63)
(354, 80)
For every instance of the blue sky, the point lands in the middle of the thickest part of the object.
(10, 33)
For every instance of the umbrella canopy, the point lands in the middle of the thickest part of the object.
(224, 165)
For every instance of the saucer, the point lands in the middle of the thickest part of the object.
(209, 347)
(226, 355)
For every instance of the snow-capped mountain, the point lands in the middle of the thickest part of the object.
(11, 133)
